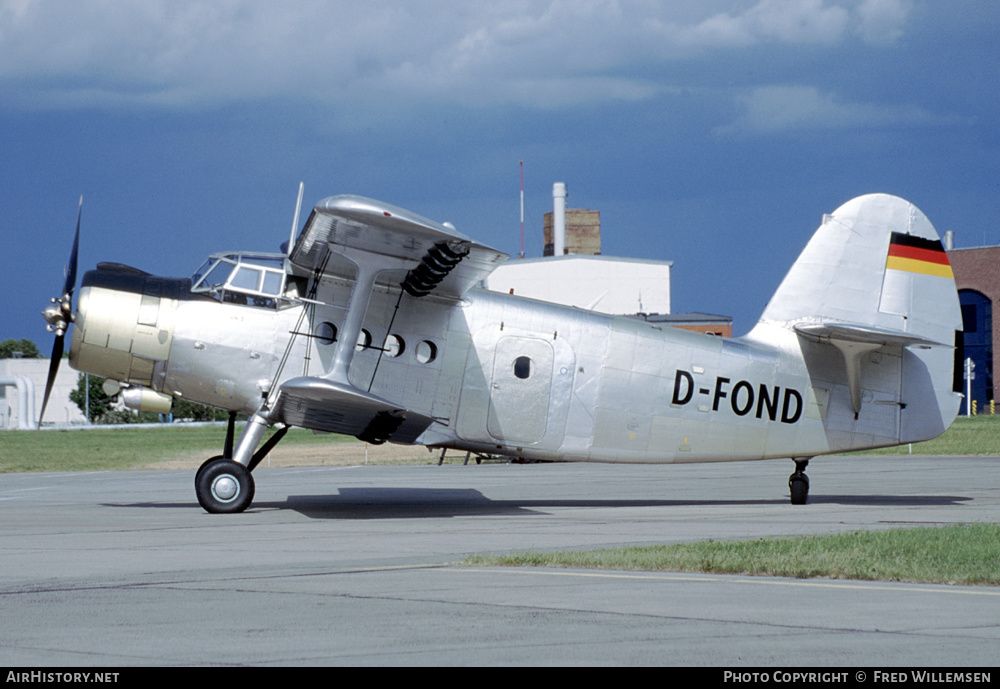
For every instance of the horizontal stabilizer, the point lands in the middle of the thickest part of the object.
(854, 340)
(864, 334)
(326, 405)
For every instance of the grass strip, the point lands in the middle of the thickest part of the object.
(123, 448)
(959, 554)
(128, 448)
(976, 435)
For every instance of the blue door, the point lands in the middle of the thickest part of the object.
(977, 341)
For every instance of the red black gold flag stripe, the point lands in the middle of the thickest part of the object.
(918, 255)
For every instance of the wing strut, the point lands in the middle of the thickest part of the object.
(357, 309)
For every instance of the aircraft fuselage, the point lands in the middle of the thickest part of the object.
(371, 325)
(499, 374)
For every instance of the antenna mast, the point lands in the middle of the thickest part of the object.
(521, 163)
(295, 220)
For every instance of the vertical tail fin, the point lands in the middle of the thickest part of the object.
(876, 277)
(875, 261)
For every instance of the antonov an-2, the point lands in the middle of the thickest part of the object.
(371, 324)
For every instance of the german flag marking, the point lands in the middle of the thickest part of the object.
(918, 255)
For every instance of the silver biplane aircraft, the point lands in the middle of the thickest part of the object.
(371, 324)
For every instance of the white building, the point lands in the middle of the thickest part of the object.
(573, 271)
(598, 283)
(22, 386)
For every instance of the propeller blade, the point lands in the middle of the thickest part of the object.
(60, 315)
(57, 352)
(70, 285)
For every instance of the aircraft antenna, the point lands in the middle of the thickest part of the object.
(521, 163)
(295, 220)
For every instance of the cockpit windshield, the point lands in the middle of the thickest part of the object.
(252, 279)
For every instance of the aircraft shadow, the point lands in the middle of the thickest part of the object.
(437, 503)
(440, 503)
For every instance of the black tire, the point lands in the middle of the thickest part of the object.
(798, 486)
(224, 487)
(203, 466)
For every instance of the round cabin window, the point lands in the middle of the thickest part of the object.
(426, 352)
(326, 333)
(394, 346)
(364, 341)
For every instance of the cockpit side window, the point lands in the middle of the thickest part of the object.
(217, 276)
(272, 282)
(254, 280)
(246, 279)
(200, 273)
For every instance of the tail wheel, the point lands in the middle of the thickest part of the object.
(798, 483)
(798, 487)
(224, 486)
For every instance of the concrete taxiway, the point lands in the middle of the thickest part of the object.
(359, 566)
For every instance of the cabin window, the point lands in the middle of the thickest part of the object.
(364, 341)
(522, 367)
(426, 352)
(394, 346)
(326, 333)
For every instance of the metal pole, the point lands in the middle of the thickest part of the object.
(969, 368)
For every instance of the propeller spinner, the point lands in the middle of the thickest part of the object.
(59, 314)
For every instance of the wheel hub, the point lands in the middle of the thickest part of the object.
(225, 488)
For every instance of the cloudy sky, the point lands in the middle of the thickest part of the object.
(712, 133)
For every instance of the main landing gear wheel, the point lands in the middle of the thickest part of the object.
(224, 486)
(798, 483)
(204, 465)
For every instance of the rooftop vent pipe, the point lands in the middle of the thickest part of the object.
(558, 219)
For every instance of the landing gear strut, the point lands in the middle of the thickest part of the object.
(798, 482)
(224, 484)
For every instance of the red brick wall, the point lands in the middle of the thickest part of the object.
(979, 270)
(721, 329)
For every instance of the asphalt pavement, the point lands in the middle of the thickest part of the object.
(363, 566)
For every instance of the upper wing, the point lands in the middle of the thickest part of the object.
(341, 223)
